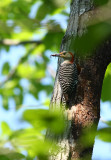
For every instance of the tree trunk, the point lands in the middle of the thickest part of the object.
(84, 114)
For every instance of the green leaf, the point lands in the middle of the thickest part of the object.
(11, 84)
(100, 2)
(5, 102)
(33, 140)
(30, 72)
(6, 92)
(5, 3)
(47, 102)
(27, 134)
(18, 100)
(87, 136)
(108, 123)
(6, 68)
(39, 49)
(5, 129)
(46, 118)
(7, 154)
(53, 40)
(104, 134)
(47, 7)
(23, 35)
(15, 155)
(2, 157)
(35, 147)
(106, 88)
(43, 11)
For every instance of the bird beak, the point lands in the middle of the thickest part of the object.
(55, 55)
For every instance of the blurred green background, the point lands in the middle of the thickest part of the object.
(30, 31)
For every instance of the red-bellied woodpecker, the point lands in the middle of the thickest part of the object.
(68, 75)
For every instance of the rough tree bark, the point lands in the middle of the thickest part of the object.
(85, 111)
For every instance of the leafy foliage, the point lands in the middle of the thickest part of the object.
(27, 21)
(46, 118)
(31, 139)
(96, 34)
(24, 74)
(17, 23)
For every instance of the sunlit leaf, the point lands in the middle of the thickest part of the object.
(31, 72)
(23, 35)
(47, 102)
(5, 3)
(36, 147)
(5, 129)
(39, 49)
(32, 140)
(27, 134)
(11, 84)
(6, 92)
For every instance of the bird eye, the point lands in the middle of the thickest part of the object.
(64, 52)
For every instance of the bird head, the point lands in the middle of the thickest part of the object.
(66, 55)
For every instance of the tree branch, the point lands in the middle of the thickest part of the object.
(84, 112)
(13, 71)
(10, 75)
(10, 42)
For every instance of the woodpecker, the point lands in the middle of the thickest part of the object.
(68, 75)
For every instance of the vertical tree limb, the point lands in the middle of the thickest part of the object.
(84, 114)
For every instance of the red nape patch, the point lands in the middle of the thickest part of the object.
(72, 60)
